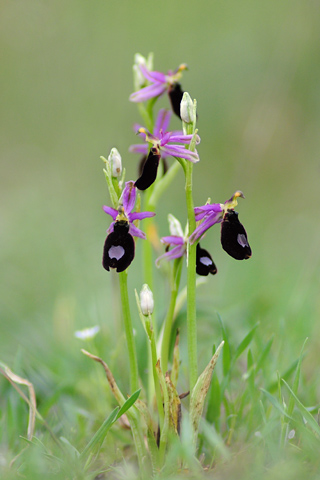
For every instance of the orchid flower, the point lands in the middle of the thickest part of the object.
(119, 247)
(234, 238)
(160, 83)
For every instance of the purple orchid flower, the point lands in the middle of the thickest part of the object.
(161, 125)
(177, 239)
(160, 83)
(124, 212)
(166, 143)
(234, 238)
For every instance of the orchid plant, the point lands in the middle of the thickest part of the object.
(153, 428)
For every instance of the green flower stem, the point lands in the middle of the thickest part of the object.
(134, 375)
(191, 284)
(170, 314)
(154, 358)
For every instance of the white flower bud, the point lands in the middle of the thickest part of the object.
(187, 110)
(146, 300)
(138, 78)
(175, 226)
(115, 162)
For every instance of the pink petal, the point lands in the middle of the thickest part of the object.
(110, 211)
(173, 240)
(162, 122)
(129, 197)
(148, 92)
(153, 76)
(136, 232)
(140, 215)
(176, 252)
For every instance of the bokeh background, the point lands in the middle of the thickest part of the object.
(254, 68)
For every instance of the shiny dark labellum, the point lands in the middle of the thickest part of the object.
(204, 262)
(175, 95)
(234, 238)
(150, 169)
(118, 251)
(143, 161)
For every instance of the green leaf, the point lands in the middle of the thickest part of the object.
(306, 414)
(273, 386)
(275, 403)
(245, 342)
(296, 381)
(100, 435)
(128, 403)
(214, 401)
(264, 354)
(226, 355)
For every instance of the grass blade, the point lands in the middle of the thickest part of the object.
(306, 414)
(296, 381)
(245, 342)
(99, 436)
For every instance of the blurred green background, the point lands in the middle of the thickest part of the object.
(65, 81)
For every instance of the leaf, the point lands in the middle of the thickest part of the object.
(226, 355)
(214, 401)
(264, 355)
(200, 391)
(175, 361)
(15, 379)
(128, 403)
(245, 342)
(113, 385)
(306, 414)
(174, 406)
(100, 435)
(296, 381)
(275, 403)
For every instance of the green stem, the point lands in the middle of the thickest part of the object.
(134, 375)
(170, 314)
(191, 284)
(154, 359)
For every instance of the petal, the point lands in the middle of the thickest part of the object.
(181, 152)
(165, 138)
(136, 232)
(140, 216)
(128, 197)
(201, 212)
(172, 240)
(153, 76)
(201, 229)
(148, 92)
(162, 122)
(139, 148)
(110, 211)
(176, 252)
(181, 138)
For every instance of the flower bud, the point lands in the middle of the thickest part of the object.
(138, 78)
(175, 226)
(187, 112)
(115, 163)
(146, 300)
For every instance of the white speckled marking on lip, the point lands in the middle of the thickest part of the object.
(116, 252)
(241, 239)
(205, 261)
